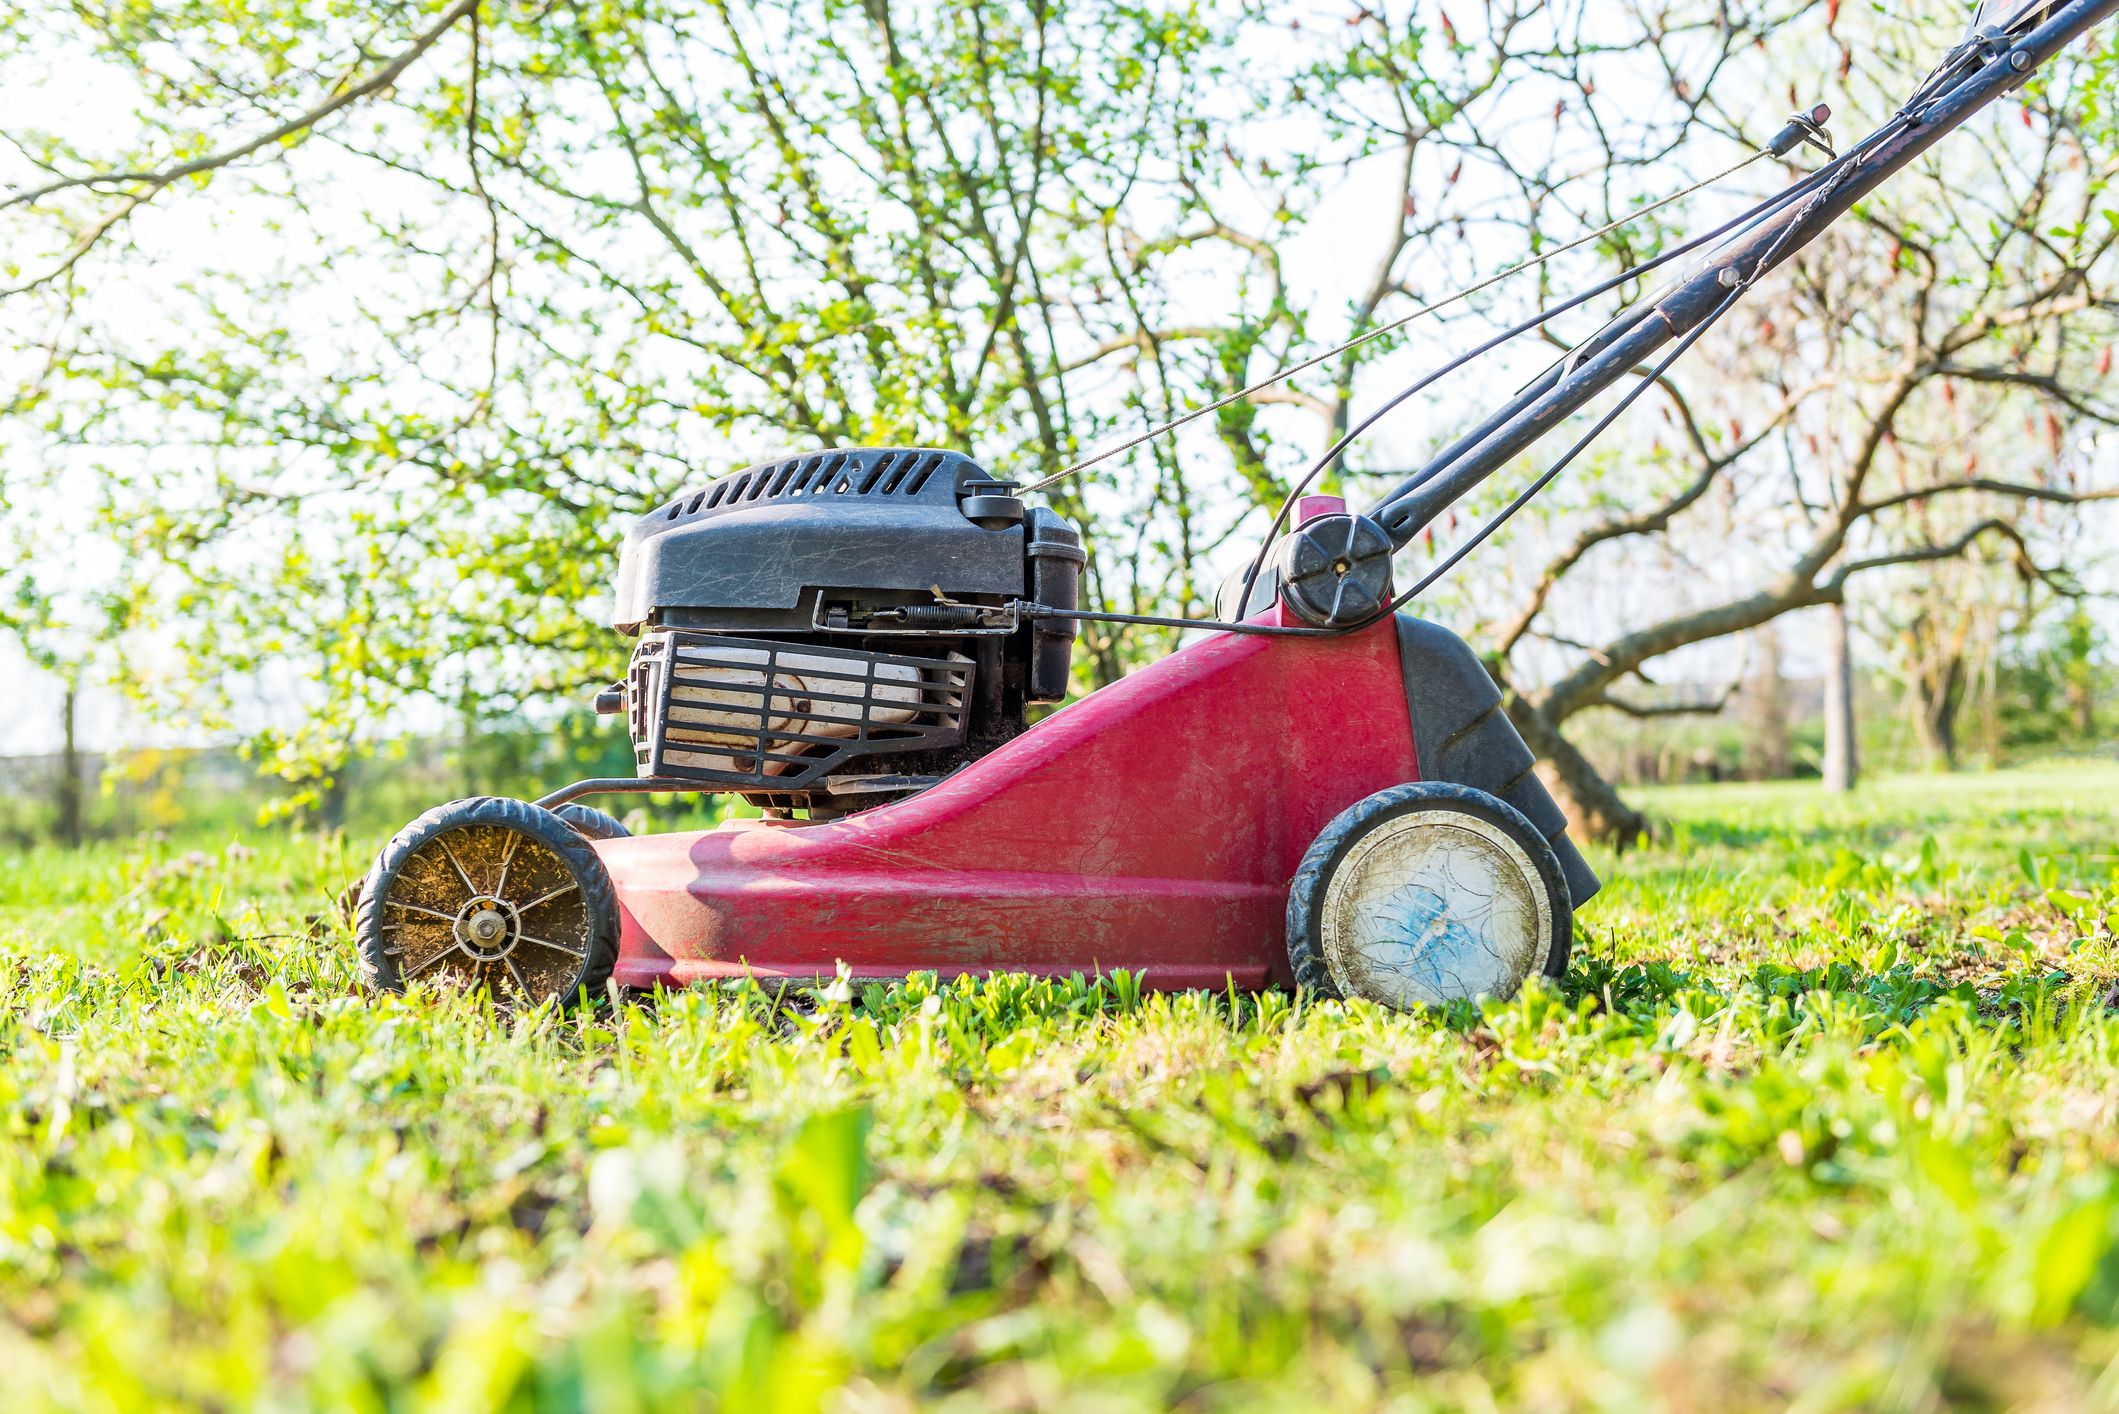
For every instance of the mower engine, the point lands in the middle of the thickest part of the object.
(837, 630)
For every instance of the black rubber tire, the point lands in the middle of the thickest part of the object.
(569, 851)
(593, 823)
(1306, 894)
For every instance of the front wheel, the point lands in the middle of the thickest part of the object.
(494, 894)
(1428, 893)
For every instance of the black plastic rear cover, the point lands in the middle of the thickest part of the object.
(874, 518)
(1461, 734)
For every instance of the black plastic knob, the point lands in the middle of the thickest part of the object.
(1336, 571)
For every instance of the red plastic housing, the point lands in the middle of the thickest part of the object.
(1154, 825)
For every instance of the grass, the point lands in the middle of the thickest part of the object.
(1823, 1116)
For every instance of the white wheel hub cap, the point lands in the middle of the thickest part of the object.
(1432, 907)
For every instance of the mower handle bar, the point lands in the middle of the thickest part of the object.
(1636, 336)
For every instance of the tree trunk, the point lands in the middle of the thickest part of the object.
(1593, 807)
(1938, 692)
(1768, 755)
(69, 828)
(2082, 704)
(1841, 766)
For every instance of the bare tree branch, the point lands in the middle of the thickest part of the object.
(1668, 709)
(159, 178)
(1996, 488)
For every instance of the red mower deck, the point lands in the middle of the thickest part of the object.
(1152, 826)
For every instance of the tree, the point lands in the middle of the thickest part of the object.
(500, 275)
(1854, 435)
(2038, 681)
(1842, 766)
(557, 250)
(69, 641)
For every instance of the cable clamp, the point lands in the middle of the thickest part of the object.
(1804, 130)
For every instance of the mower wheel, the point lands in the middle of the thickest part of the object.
(490, 893)
(593, 823)
(1426, 894)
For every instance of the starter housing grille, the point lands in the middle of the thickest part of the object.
(772, 714)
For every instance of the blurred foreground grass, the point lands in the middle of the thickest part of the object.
(1824, 1115)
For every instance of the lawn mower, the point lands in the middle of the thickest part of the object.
(1322, 790)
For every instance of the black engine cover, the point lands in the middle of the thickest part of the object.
(867, 519)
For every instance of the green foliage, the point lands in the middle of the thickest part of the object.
(1823, 1113)
(571, 262)
(2046, 687)
(353, 336)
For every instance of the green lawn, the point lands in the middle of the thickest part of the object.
(1824, 1115)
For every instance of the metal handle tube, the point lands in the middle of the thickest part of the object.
(1612, 354)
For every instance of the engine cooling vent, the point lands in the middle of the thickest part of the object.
(759, 712)
(901, 472)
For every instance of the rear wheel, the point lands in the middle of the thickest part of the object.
(489, 893)
(593, 823)
(1425, 894)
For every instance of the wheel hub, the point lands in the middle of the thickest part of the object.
(488, 928)
(1432, 907)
